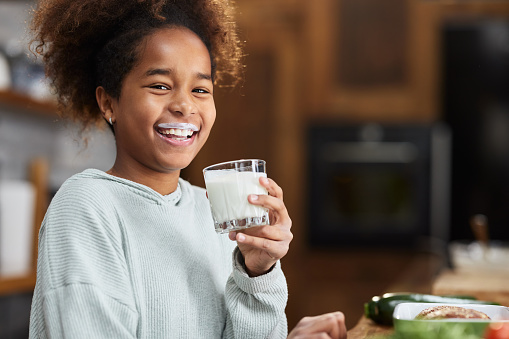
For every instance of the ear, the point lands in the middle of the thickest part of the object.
(105, 102)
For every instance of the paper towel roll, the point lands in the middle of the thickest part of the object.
(5, 73)
(17, 209)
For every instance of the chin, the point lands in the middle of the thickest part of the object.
(176, 163)
(175, 167)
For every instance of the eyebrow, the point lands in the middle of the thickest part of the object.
(168, 71)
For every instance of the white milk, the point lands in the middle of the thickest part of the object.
(228, 190)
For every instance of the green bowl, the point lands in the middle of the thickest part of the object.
(406, 324)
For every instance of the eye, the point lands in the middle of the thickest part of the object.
(161, 87)
(201, 90)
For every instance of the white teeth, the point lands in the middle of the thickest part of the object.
(177, 132)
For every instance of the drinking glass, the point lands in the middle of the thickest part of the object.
(228, 186)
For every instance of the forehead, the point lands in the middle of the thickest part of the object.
(173, 47)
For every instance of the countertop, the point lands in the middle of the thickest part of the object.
(484, 285)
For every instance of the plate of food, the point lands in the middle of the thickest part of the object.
(410, 318)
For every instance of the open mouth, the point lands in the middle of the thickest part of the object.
(176, 133)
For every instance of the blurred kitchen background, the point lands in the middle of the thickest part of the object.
(386, 123)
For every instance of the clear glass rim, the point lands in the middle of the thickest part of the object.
(211, 167)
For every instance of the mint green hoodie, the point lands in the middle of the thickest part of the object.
(119, 260)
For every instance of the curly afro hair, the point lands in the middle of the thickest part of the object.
(91, 43)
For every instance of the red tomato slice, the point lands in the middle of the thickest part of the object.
(497, 331)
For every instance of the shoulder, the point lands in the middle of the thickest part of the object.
(82, 192)
(81, 215)
(90, 181)
(81, 197)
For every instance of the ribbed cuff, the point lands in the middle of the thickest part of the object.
(262, 283)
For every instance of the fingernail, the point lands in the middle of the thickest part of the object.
(253, 197)
(241, 237)
(265, 181)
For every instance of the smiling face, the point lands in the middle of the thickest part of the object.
(166, 108)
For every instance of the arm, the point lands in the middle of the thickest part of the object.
(257, 277)
(83, 287)
(255, 306)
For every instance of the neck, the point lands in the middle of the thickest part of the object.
(163, 183)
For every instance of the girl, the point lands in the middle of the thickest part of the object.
(132, 252)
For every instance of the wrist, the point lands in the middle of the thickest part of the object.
(256, 271)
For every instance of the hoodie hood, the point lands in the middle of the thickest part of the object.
(173, 198)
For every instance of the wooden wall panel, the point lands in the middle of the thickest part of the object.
(372, 43)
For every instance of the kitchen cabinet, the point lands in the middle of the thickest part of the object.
(380, 61)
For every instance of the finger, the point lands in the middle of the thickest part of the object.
(342, 325)
(271, 247)
(338, 318)
(312, 336)
(265, 231)
(272, 188)
(232, 235)
(280, 235)
(270, 202)
(278, 214)
(331, 323)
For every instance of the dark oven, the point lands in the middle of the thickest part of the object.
(375, 185)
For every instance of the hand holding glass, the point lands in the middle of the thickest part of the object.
(228, 186)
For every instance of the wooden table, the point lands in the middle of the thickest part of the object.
(484, 285)
(366, 329)
(418, 278)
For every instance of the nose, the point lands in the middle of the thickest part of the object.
(182, 103)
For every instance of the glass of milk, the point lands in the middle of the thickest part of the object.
(228, 186)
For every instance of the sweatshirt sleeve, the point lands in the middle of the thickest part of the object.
(255, 306)
(83, 287)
